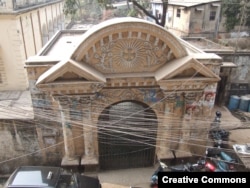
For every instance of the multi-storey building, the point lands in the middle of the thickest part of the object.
(26, 25)
(191, 18)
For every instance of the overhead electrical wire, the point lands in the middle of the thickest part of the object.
(48, 116)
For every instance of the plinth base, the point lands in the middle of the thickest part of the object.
(174, 155)
(90, 164)
(71, 164)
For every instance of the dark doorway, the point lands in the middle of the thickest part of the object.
(220, 97)
(127, 136)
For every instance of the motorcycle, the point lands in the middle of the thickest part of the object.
(154, 178)
(217, 134)
(223, 161)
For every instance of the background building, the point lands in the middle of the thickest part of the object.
(25, 27)
(191, 18)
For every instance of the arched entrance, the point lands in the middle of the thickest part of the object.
(127, 136)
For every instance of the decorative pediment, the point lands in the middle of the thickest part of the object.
(70, 71)
(184, 68)
(128, 45)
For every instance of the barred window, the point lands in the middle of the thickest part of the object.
(212, 15)
(178, 13)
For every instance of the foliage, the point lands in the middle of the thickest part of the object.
(141, 8)
(82, 9)
(247, 16)
(133, 13)
(236, 12)
(107, 4)
(70, 7)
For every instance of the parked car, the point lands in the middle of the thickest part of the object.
(49, 177)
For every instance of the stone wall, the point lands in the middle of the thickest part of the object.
(19, 145)
(36, 142)
(236, 79)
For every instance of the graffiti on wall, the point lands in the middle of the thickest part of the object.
(193, 104)
(150, 95)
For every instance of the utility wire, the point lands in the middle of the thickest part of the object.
(47, 115)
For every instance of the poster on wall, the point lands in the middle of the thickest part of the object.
(209, 99)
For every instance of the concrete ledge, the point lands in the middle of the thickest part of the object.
(174, 154)
(89, 160)
(90, 164)
(70, 163)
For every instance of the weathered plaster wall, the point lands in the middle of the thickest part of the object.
(193, 21)
(237, 79)
(19, 145)
(23, 35)
(241, 74)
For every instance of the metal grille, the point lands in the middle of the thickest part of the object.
(126, 134)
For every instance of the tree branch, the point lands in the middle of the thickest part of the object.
(145, 11)
(164, 12)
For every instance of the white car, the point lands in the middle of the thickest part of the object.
(49, 177)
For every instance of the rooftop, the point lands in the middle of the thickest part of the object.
(207, 45)
(187, 3)
(64, 43)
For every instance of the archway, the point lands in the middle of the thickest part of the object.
(127, 136)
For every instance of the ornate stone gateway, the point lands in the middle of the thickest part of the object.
(93, 82)
(126, 136)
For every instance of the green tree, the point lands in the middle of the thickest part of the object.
(141, 8)
(71, 7)
(78, 9)
(107, 4)
(236, 13)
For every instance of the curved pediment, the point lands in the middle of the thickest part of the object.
(128, 45)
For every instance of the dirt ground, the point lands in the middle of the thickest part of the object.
(239, 133)
(240, 136)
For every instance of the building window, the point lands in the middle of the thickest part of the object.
(178, 13)
(159, 16)
(212, 15)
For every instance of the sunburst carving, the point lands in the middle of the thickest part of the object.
(128, 53)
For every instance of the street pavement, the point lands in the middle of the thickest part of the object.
(137, 177)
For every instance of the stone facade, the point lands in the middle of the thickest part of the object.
(234, 73)
(125, 59)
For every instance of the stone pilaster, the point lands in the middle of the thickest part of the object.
(69, 158)
(89, 158)
(166, 142)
